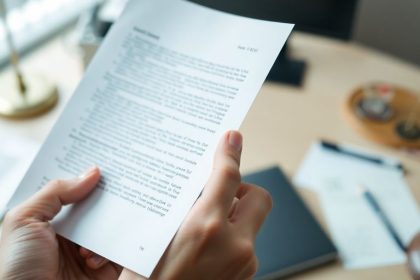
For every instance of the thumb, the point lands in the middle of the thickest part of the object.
(45, 204)
(225, 179)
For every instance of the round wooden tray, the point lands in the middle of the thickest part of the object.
(383, 132)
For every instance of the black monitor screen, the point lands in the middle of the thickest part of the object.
(326, 17)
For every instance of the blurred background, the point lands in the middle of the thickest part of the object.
(386, 25)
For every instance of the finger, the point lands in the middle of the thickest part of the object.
(85, 253)
(249, 270)
(253, 207)
(225, 178)
(130, 275)
(45, 204)
(233, 207)
(95, 261)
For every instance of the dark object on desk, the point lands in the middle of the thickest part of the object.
(374, 204)
(332, 18)
(376, 103)
(408, 131)
(290, 240)
(287, 70)
(369, 158)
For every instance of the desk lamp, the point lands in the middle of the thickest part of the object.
(23, 96)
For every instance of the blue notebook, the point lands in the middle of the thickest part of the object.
(291, 240)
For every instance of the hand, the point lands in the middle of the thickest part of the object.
(216, 240)
(30, 248)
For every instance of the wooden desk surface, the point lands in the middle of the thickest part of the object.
(283, 121)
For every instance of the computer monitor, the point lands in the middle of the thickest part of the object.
(332, 18)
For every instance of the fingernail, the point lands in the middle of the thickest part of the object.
(88, 172)
(235, 140)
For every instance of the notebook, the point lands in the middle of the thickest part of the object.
(291, 240)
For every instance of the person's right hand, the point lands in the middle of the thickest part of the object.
(216, 240)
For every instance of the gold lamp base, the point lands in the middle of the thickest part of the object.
(40, 96)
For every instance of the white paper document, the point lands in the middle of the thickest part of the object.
(360, 236)
(16, 155)
(170, 78)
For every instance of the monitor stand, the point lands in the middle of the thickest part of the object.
(287, 70)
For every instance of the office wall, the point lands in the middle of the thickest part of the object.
(392, 26)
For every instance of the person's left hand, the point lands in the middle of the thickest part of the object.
(30, 248)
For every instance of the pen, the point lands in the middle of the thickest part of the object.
(381, 214)
(375, 160)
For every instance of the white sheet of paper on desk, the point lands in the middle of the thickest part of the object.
(318, 160)
(360, 236)
(170, 78)
(16, 155)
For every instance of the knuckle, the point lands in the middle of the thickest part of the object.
(262, 195)
(210, 230)
(38, 228)
(55, 184)
(246, 251)
(233, 155)
(230, 173)
(42, 231)
(253, 267)
(266, 197)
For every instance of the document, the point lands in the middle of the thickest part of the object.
(359, 234)
(170, 78)
(16, 155)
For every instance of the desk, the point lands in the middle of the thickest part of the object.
(283, 120)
